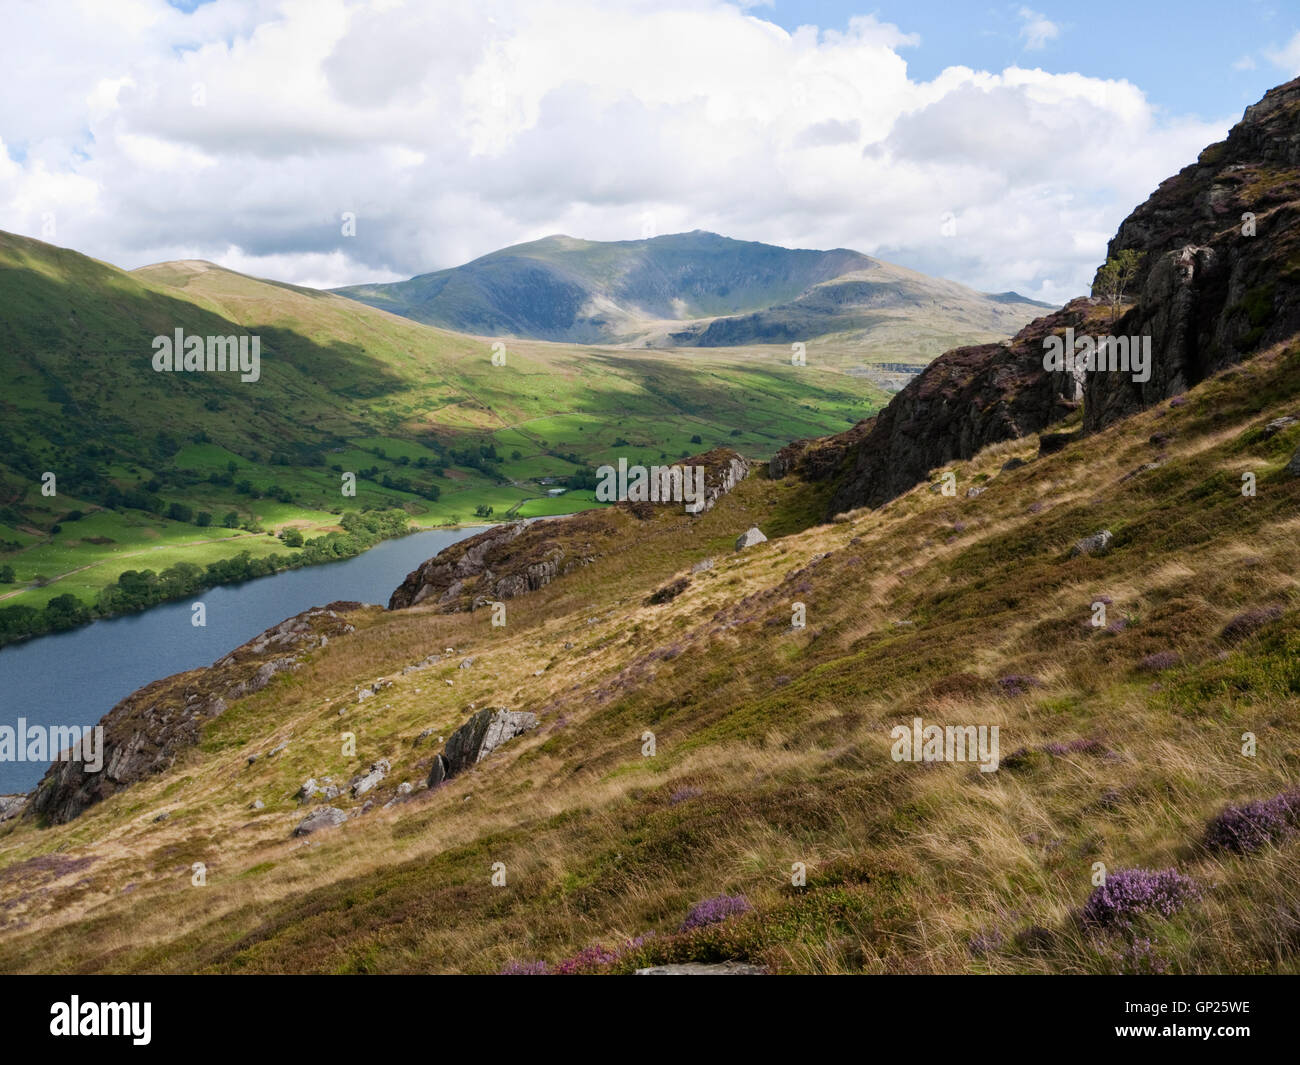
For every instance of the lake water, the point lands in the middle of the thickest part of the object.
(76, 677)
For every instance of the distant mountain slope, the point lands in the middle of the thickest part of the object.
(687, 289)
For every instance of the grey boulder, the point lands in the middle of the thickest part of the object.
(321, 817)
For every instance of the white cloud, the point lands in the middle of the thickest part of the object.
(1037, 30)
(457, 128)
(1286, 58)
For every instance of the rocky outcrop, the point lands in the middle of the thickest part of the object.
(476, 739)
(1207, 293)
(321, 817)
(501, 563)
(965, 400)
(723, 470)
(1220, 277)
(507, 561)
(816, 459)
(149, 729)
(370, 779)
(749, 538)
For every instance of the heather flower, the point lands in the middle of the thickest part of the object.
(986, 942)
(586, 958)
(1252, 826)
(716, 909)
(1131, 893)
(1159, 662)
(683, 794)
(1018, 683)
(1140, 958)
(1251, 621)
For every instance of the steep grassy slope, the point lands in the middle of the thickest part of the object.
(696, 289)
(1119, 742)
(424, 417)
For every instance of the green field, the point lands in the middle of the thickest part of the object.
(422, 417)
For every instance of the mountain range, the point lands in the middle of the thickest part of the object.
(692, 289)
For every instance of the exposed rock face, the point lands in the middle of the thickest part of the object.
(965, 400)
(476, 739)
(1293, 467)
(501, 563)
(11, 806)
(146, 731)
(321, 817)
(723, 470)
(749, 538)
(1209, 294)
(816, 459)
(507, 561)
(1206, 293)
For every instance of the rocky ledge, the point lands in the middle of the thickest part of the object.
(148, 730)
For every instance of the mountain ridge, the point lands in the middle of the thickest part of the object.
(684, 289)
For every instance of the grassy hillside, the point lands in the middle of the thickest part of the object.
(1121, 743)
(422, 416)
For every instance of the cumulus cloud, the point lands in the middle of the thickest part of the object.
(1286, 58)
(242, 133)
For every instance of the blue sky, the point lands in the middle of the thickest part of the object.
(1197, 57)
(999, 145)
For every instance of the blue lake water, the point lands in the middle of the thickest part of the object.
(76, 677)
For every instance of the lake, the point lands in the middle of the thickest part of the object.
(74, 678)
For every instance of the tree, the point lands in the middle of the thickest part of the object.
(231, 520)
(1115, 277)
(7, 574)
(203, 519)
(291, 538)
